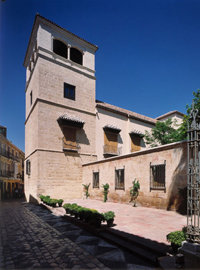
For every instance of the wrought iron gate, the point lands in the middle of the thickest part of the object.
(193, 178)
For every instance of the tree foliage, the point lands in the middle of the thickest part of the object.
(164, 133)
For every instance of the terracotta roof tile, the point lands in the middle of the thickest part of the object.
(122, 111)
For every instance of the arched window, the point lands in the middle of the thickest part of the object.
(60, 48)
(76, 56)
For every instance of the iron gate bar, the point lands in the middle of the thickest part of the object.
(193, 180)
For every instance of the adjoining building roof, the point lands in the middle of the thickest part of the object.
(169, 114)
(125, 112)
(47, 21)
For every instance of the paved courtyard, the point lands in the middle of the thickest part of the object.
(148, 223)
(31, 237)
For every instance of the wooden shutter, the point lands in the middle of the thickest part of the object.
(69, 137)
(135, 143)
(111, 140)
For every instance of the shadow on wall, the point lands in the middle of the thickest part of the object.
(177, 198)
(82, 137)
(32, 199)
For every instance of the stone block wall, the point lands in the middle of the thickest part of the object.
(137, 165)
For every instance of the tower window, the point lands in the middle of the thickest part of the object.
(76, 56)
(28, 167)
(69, 91)
(60, 48)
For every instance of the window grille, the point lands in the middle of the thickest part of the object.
(157, 176)
(119, 179)
(95, 179)
(28, 167)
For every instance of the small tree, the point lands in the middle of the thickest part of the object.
(164, 133)
(134, 191)
(105, 191)
(86, 190)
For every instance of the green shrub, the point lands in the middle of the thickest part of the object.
(66, 206)
(134, 191)
(90, 216)
(109, 215)
(105, 191)
(86, 190)
(176, 237)
(42, 197)
(53, 202)
(60, 202)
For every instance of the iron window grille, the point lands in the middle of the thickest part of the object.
(69, 91)
(157, 177)
(95, 179)
(119, 179)
(28, 167)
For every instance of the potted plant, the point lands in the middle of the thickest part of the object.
(176, 238)
(95, 218)
(109, 217)
(66, 207)
(86, 190)
(134, 191)
(105, 191)
(60, 202)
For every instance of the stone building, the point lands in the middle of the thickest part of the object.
(11, 167)
(65, 125)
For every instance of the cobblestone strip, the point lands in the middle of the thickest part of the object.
(26, 241)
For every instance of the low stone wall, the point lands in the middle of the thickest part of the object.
(137, 165)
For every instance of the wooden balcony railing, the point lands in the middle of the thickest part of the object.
(70, 146)
(111, 150)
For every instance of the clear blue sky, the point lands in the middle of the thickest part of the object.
(148, 59)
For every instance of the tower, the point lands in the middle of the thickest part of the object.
(60, 110)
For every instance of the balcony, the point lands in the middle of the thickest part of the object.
(70, 146)
(7, 174)
(111, 150)
(7, 154)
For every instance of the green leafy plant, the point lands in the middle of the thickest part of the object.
(176, 238)
(60, 202)
(105, 191)
(164, 133)
(134, 191)
(86, 190)
(66, 206)
(42, 197)
(90, 216)
(109, 217)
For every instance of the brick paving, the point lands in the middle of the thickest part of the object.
(26, 241)
(149, 223)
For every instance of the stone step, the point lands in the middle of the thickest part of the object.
(141, 251)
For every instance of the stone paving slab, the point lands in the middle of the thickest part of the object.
(31, 237)
(149, 223)
(26, 241)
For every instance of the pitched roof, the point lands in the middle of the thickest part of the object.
(125, 112)
(169, 113)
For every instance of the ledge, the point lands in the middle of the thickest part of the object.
(141, 152)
